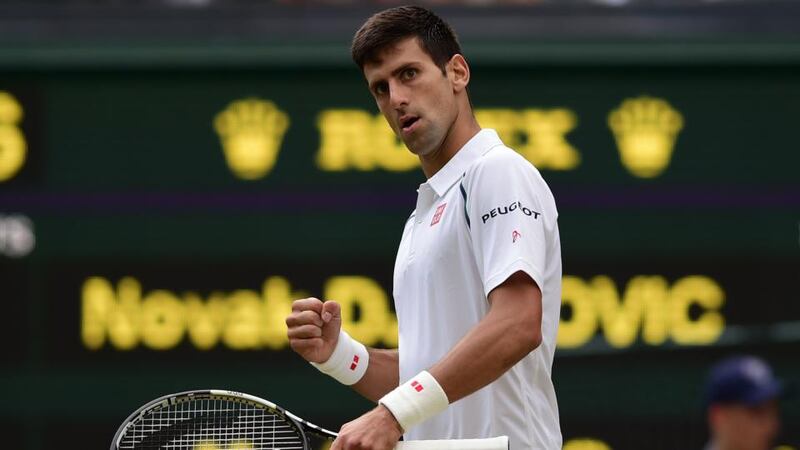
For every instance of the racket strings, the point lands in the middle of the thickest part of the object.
(212, 424)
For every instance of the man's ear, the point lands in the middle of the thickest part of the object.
(458, 72)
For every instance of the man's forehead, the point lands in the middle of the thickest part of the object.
(396, 54)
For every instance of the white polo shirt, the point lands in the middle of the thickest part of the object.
(484, 216)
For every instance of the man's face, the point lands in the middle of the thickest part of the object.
(416, 98)
(747, 427)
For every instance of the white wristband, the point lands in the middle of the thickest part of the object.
(348, 362)
(416, 400)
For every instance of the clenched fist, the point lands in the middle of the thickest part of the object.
(375, 430)
(314, 328)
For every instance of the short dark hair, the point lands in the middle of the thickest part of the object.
(392, 25)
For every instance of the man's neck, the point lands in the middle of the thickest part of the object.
(464, 128)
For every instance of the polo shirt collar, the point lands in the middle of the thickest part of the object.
(476, 147)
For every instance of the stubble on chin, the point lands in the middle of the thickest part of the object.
(424, 145)
(419, 148)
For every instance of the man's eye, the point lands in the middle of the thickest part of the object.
(409, 74)
(380, 89)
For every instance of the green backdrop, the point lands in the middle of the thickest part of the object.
(125, 183)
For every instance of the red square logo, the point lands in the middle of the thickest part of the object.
(437, 216)
(417, 387)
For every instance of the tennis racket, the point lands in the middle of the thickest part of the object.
(227, 420)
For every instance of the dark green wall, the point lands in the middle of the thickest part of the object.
(126, 177)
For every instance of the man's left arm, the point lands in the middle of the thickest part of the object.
(511, 330)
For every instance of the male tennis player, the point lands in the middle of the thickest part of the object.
(477, 279)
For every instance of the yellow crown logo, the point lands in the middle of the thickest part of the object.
(13, 147)
(645, 129)
(251, 131)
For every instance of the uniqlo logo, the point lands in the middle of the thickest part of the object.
(437, 216)
(355, 363)
(417, 387)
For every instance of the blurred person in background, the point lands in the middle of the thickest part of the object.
(741, 399)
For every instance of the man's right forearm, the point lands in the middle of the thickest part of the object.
(382, 375)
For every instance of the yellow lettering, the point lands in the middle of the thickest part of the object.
(390, 335)
(367, 295)
(103, 315)
(242, 319)
(585, 444)
(504, 121)
(246, 319)
(124, 325)
(98, 300)
(356, 139)
(276, 307)
(580, 328)
(235, 445)
(649, 308)
(345, 140)
(654, 291)
(390, 152)
(547, 146)
(620, 319)
(537, 134)
(242, 327)
(13, 147)
(205, 320)
(705, 293)
(642, 304)
(163, 320)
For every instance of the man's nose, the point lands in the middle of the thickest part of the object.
(398, 95)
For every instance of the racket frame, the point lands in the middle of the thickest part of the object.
(302, 425)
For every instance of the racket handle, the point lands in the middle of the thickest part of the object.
(497, 443)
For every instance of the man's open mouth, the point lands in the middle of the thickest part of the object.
(407, 122)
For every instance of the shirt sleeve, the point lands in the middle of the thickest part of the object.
(504, 216)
